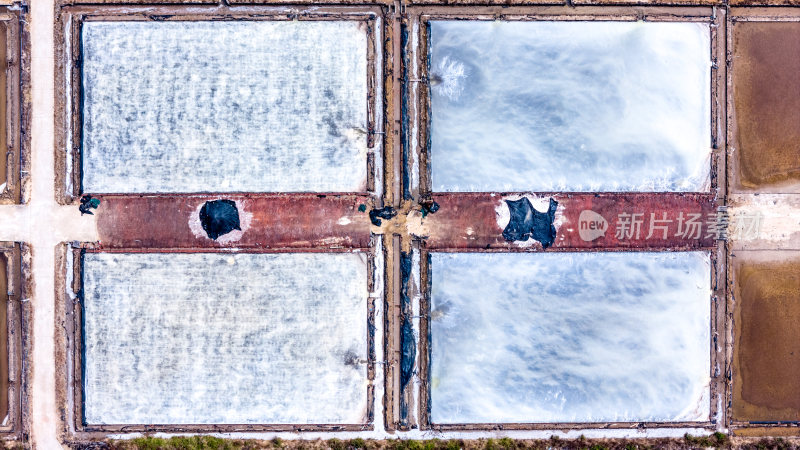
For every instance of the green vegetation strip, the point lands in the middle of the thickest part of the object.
(714, 441)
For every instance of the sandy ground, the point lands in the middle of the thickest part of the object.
(43, 224)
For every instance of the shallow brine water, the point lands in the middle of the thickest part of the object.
(570, 337)
(570, 106)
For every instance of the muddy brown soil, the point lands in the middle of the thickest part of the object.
(766, 93)
(766, 385)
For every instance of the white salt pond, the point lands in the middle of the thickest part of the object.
(570, 106)
(570, 337)
(225, 339)
(236, 106)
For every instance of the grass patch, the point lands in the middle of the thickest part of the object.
(715, 441)
(181, 443)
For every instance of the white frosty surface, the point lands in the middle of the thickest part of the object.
(570, 337)
(570, 106)
(239, 106)
(220, 338)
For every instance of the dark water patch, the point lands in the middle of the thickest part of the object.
(526, 222)
(219, 217)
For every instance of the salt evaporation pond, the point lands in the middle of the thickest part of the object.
(570, 106)
(570, 337)
(224, 106)
(226, 339)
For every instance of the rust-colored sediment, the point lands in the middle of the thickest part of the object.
(276, 222)
(766, 385)
(469, 221)
(766, 93)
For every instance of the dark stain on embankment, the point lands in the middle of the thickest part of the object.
(375, 215)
